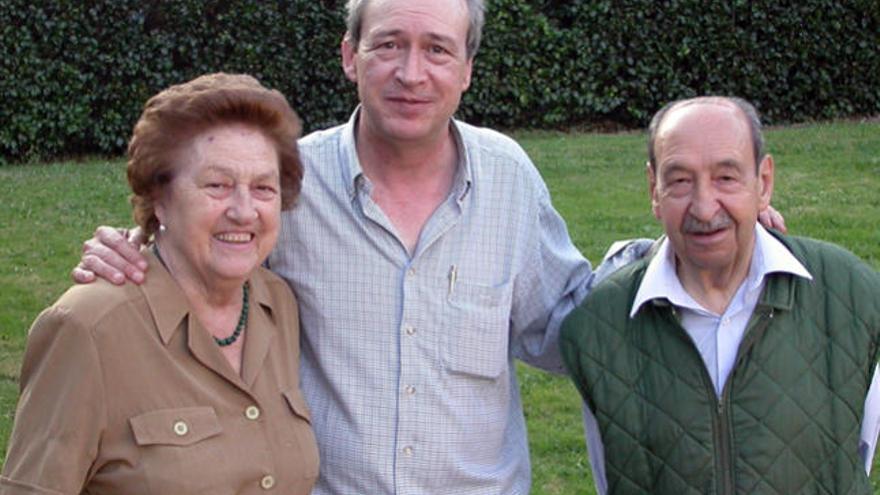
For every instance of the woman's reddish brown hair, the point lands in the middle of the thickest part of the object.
(179, 113)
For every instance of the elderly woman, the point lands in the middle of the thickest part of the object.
(189, 382)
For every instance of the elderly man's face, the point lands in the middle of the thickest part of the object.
(706, 190)
(411, 67)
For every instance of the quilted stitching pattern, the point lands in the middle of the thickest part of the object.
(796, 395)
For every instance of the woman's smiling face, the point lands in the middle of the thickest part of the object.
(222, 209)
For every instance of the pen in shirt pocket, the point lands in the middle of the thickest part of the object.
(453, 275)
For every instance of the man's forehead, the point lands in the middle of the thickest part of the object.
(442, 17)
(715, 125)
(721, 110)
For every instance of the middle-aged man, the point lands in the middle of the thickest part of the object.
(731, 359)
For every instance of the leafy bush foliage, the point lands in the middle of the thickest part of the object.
(75, 74)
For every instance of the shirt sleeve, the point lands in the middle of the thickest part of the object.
(870, 422)
(60, 413)
(554, 278)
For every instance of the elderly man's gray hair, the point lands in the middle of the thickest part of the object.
(744, 106)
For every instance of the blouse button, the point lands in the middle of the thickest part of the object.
(267, 482)
(252, 413)
(180, 428)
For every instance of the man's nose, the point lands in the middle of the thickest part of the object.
(412, 67)
(704, 202)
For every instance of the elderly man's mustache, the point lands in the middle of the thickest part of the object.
(692, 225)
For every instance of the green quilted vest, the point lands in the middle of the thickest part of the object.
(789, 417)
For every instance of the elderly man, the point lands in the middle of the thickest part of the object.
(731, 359)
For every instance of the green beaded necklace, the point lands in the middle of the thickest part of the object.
(242, 318)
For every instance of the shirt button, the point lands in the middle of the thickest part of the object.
(180, 428)
(268, 482)
(411, 272)
(410, 330)
(252, 413)
(407, 451)
(410, 390)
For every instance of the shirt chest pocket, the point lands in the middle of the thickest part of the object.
(176, 451)
(476, 327)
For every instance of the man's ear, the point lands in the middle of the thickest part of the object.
(652, 189)
(466, 81)
(765, 181)
(349, 56)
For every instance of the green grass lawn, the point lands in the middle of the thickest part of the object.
(827, 185)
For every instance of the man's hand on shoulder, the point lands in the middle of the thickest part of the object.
(772, 219)
(112, 254)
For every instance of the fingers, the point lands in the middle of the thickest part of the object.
(137, 237)
(116, 241)
(81, 275)
(778, 221)
(110, 256)
(771, 218)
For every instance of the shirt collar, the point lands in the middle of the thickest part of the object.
(354, 173)
(168, 303)
(661, 281)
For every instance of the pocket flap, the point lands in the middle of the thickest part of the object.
(183, 426)
(297, 404)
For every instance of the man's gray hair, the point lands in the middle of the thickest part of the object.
(744, 106)
(476, 17)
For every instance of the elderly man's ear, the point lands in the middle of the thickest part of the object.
(652, 188)
(765, 181)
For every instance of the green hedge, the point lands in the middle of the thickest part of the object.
(75, 74)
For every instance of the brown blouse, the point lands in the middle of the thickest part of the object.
(122, 391)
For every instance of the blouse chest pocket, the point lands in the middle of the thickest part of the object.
(477, 326)
(179, 452)
(180, 427)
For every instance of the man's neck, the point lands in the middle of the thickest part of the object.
(410, 180)
(390, 162)
(714, 289)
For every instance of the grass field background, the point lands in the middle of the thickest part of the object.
(827, 186)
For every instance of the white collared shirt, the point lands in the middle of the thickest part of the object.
(717, 336)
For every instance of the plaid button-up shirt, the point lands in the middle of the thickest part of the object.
(407, 359)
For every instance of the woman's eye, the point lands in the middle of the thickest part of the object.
(265, 192)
